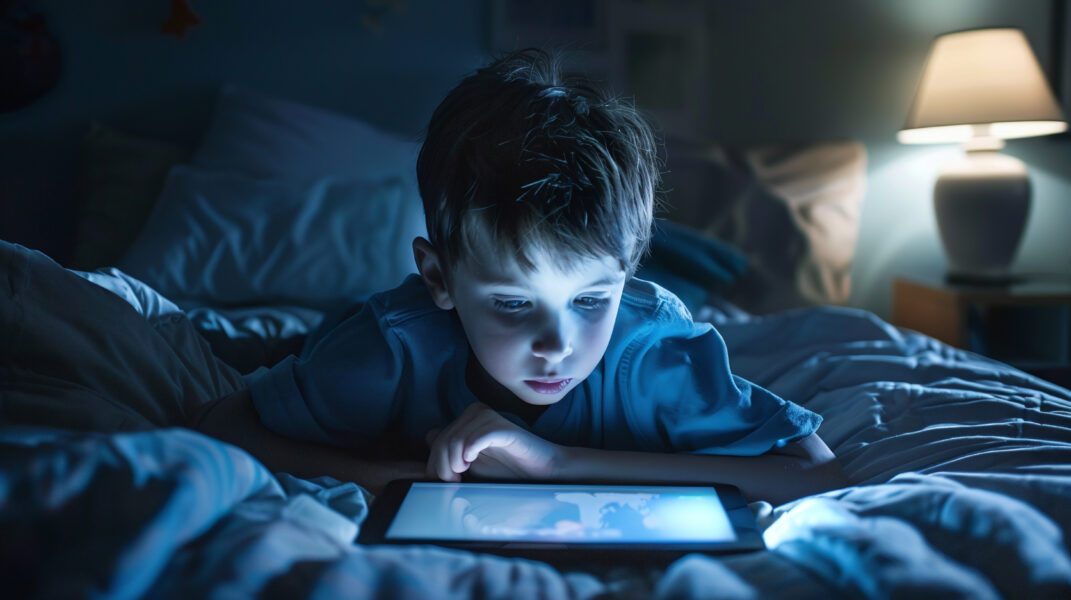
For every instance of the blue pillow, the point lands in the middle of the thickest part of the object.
(226, 239)
(690, 264)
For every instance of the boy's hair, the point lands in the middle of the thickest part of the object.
(534, 162)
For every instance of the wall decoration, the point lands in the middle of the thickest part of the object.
(578, 24)
(577, 27)
(376, 11)
(653, 50)
(660, 58)
(29, 56)
(181, 19)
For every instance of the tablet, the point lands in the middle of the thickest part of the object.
(555, 521)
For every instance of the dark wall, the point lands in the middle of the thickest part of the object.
(120, 69)
(773, 70)
(837, 68)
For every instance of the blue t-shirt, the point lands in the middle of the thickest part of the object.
(398, 367)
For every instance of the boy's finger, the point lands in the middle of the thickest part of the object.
(458, 463)
(438, 468)
(473, 409)
(478, 445)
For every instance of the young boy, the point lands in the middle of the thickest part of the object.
(524, 348)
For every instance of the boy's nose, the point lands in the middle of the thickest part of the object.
(552, 352)
(553, 344)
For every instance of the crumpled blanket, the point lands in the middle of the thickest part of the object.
(960, 469)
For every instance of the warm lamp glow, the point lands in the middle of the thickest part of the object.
(984, 83)
(963, 133)
(979, 88)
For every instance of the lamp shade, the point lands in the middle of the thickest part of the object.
(981, 83)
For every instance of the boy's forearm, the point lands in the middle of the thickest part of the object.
(775, 478)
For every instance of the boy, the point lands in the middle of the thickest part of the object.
(524, 348)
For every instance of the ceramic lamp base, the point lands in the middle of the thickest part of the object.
(982, 203)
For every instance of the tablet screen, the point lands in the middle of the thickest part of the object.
(561, 513)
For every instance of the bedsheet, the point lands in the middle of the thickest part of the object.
(960, 470)
(250, 337)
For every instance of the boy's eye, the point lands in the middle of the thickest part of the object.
(590, 302)
(510, 304)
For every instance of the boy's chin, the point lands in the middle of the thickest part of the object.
(541, 399)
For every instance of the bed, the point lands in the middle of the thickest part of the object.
(959, 466)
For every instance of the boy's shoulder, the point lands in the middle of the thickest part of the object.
(650, 301)
(409, 300)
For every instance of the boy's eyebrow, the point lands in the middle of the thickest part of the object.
(608, 280)
(492, 281)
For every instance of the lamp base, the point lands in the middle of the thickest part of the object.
(982, 204)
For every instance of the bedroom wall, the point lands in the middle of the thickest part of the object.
(778, 70)
(785, 70)
(119, 69)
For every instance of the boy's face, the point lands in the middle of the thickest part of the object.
(538, 334)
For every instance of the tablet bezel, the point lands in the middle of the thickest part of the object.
(748, 538)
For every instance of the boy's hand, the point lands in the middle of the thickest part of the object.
(485, 443)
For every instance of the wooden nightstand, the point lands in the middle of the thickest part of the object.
(1027, 325)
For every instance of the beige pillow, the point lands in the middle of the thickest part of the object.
(793, 209)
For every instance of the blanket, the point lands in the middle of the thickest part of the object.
(960, 471)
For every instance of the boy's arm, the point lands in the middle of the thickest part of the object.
(801, 468)
(234, 420)
(484, 443)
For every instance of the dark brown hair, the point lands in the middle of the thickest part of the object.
(534, 161)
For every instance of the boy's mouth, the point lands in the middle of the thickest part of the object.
(547, 386)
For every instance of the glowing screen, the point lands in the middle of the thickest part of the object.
(561, 513)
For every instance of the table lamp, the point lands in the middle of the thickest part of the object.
(979, 88)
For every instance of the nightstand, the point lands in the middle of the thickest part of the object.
(1027, 324)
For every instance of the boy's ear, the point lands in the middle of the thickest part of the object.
(431, 270)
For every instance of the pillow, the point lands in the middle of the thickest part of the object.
(121, 178)
(690, 264)
(792, 209)
(267, 137)
(227, 239)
